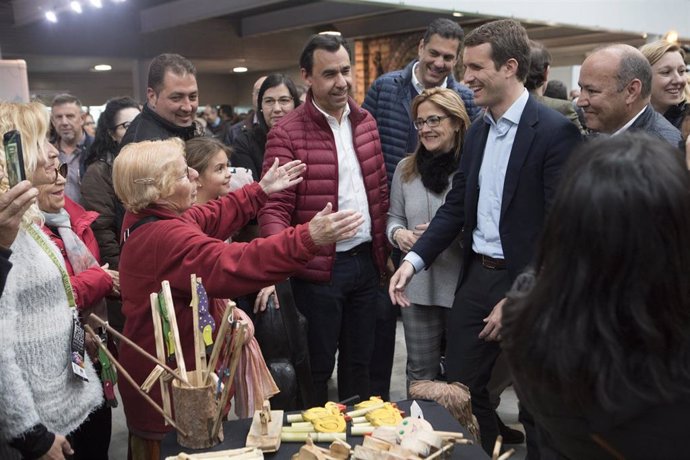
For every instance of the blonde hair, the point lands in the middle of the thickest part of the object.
(451, 104)
(144, 172)
(656, 50)
(32, 121)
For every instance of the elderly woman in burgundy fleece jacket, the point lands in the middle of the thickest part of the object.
(177, 239)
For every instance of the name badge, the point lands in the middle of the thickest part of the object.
(77, 356)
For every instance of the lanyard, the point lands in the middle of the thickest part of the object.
(63, 273)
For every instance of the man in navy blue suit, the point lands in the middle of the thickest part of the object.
(509, 171)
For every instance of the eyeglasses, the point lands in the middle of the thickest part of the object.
(63, 169)
(186, 174)
(283, 101)
(432, 121)
(124, 124)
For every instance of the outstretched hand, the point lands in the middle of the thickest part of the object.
(279, 178)
(328, 227)
(399, 281)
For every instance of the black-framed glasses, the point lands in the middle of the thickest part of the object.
(124, 124)
(432, 121)
(283, 101)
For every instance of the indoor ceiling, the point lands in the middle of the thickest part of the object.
(217, 35)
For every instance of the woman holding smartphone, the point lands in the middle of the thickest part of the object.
(43, 402)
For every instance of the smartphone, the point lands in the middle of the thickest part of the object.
(12, 142)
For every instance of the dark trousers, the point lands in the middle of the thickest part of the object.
(92, 439)
(470, 359)
(341, 316)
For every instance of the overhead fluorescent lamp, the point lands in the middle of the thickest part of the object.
(239, 69)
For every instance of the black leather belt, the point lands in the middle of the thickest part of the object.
(491, 263)
(359, 249)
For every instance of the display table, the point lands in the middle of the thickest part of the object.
(236, 435)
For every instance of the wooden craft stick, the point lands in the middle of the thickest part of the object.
(235, 352)
(360, 412)
(316, 437)
(131, 381)
(440, 452)
(160, 351)
(138, 349)
(497, 447)
(153, 377)
(449, 434)
(507, 454)
(218, 345)
(172, 318)
(195, 325)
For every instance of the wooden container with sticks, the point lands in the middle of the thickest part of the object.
(198, 397)
(195, 412)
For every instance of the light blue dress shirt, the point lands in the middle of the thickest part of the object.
(486, 238)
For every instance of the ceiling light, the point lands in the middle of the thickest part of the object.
(330, 32)
(457, 14)
(51, 16)
(102, 67)
(76, 7)
(239, 69)
(96, 3)
(671, 36)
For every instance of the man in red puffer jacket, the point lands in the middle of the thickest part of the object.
(339, 142)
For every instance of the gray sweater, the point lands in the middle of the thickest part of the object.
(36, 383)
(412, 204)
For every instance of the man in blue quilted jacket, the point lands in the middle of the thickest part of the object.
(390, 96)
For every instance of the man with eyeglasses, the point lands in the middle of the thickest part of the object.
(71, 141)
(615, 90)
(509, 170)
(339, 143)
(172, 99)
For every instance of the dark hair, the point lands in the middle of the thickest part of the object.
(65, 98)
(330, 43)
(539, 62)
(508, 40)
(227, 110)
(179, 65)
(103, 142)
(444, 28)
(556, 89)
(608, 319)
(271, 81)
(199, 151)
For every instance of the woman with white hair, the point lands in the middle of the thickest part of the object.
(47, 387)
(166, 238)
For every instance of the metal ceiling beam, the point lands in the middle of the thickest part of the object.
(395, 23)
(309, 15)
(181, 12)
